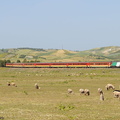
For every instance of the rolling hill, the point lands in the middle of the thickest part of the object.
(111, 53)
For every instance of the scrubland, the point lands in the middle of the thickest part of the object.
(51, 101)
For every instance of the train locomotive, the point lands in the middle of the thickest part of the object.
(66, 65)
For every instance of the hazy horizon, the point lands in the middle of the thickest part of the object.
(56, 48)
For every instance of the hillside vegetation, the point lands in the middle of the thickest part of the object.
(111, 53)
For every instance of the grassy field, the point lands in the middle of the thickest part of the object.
(51, 101)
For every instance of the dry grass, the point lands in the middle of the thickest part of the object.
(52, 102)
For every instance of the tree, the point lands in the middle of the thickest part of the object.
(18, 61)
(8, 61)
(3, 62)
(25, 61)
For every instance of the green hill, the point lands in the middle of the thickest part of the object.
(111, 53)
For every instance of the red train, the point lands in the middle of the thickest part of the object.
(61, 64)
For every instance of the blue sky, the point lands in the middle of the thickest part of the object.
(68, 24)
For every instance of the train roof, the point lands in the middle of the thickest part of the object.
(60, 62)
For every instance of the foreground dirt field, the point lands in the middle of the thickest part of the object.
(52, 101)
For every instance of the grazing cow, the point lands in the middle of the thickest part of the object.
(70, 91)
(37, 86)
(116, 93)
(81, 91)
(101, 94)
(11, 84)
(87, 92)
(109, 86)
(100, 91)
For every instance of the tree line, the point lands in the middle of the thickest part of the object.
(3, 62)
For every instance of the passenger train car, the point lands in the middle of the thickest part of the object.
(66, 65)
(115, 64)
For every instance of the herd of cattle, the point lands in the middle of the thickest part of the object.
(116, 93)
